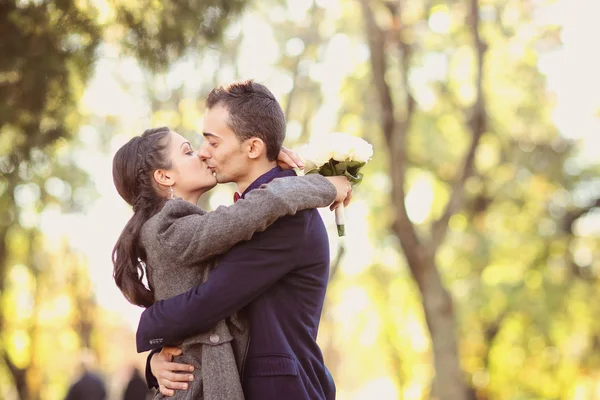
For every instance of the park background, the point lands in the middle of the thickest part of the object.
(471, 265)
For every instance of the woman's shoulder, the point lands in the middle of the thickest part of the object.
(179, 208)
(169, 214)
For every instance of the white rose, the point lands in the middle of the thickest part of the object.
(322, 151)
(315, 153)
(349, 148)
(362, 151)
(341, 146)
(338, 146)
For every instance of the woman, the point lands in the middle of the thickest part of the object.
(174, 242)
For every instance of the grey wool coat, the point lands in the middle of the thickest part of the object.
(182, 243)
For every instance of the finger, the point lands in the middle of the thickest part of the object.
(175, 351)
(176, 377)
(285, 158)
(166, 392)
(294, 156)
(174, 385)
(171, 366)
(283, 165)
(348, 198)
(335, 205)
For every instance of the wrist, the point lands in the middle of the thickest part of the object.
(331, 195)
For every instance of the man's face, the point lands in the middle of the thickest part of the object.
(222, 150)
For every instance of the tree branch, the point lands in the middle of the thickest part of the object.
(290, 96)
(477, 124)
(405, 55)
(376, 40)
(395, 135)
(18, 375)
(573, 215)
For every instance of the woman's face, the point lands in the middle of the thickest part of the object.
(190, 174)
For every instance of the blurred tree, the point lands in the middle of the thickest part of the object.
(43, 66)
(46, 58)
(159, 33)
(470, 119)
(397, 113)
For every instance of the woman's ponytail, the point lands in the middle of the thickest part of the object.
(133, 168)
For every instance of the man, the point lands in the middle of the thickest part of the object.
(89, 386)
(279, 276)
(136, 388)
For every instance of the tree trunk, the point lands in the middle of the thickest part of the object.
(19, 377)
(439, 314)
(421, 254)
(437, 306)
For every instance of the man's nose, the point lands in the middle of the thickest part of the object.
(203, 152)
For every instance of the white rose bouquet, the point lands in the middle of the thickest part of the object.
(336, 154)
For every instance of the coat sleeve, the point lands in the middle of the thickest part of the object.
(194, 238)
(150, 378)
(243, 274)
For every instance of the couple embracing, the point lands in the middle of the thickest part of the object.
(234, 296)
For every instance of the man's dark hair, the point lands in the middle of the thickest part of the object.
(253, 112)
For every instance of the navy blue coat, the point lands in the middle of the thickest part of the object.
(279, 278)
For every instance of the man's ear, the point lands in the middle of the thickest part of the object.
(163, 177)
(256, 147)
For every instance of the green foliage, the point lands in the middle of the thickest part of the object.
(45, 59)
(47, 55)
(160, 32)
(508, 259)
(350, 169)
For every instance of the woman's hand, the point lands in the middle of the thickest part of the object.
(344, 191)
(166, 373)
(288, 159)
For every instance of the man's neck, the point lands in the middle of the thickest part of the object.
(253, 174)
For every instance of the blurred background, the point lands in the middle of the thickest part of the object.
(471, 263)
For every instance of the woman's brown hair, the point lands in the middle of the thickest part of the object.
(133, 169)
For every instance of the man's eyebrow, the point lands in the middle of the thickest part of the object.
(208, 134)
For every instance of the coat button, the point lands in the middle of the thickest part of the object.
(214, 338)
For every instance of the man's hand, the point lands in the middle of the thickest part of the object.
(166, 373)
(288, 159)
(344, 191)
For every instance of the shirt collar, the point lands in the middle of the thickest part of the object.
(267, 177)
